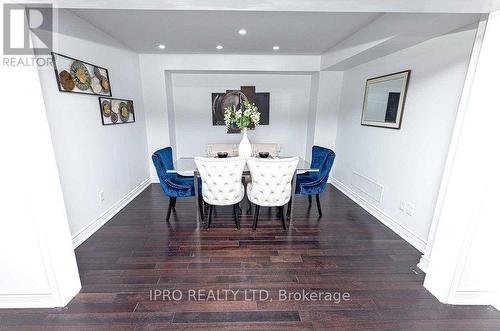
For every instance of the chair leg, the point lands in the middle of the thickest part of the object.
(200, 204)
(288, 209)
(170, 206)
(310, 199)
(210, 211)
(256, 218)
(235, 212)
(249, 206)
(282, 212)
(319, 205)
(174, 203)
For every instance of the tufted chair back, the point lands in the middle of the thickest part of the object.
(162, 160)
(221, 179)
(322, 159)
(271, 180)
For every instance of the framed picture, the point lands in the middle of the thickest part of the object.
(236, 98)
(76, 76)
(384, 100)
(116, 111)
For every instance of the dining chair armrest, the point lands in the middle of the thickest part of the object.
(316, 182)
(166, 180)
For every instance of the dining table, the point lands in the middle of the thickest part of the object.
(186, 166)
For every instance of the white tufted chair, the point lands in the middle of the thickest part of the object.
(271, 184)
(221, 183)
(230, 149)
(272, 149)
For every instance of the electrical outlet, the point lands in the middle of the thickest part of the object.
(101, 196)
(410, 208)
(402, 205)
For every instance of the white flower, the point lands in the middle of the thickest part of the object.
(242, 117)
(228, 116)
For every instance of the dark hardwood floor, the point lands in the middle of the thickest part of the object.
(346, 251)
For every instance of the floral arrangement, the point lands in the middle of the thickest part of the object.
(242, 118)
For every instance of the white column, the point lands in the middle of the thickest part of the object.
(462, 110)
(462, 264)
(156, 111)
(311, 114)
(37, 262)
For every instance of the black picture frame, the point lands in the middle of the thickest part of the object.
(104, 118)
(54, 56)
(401, 98)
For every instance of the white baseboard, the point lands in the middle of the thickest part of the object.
(423, 263)
(379, 214)
(472, 298)
(100, 220)
(43, 300)
(155, 179)
(495, 303)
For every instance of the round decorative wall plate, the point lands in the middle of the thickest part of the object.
(106, 108)
(114, 117)
(81, 75)
(104, 84)
(97, 72)
(124, 112)
(66, 80)
(95, 85)
(115, 106)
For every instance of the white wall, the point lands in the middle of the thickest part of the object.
(404, 164)
(155, 71)
(328, 108)
(92, 157)
(232, 62)
(289, 104)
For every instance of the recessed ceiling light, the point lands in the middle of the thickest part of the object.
(161, 46)
(242, 32)
(219, 47)
(276, 47)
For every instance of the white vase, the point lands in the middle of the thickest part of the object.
(245, 148)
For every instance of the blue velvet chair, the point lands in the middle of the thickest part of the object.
(174, 185)
(313, 183)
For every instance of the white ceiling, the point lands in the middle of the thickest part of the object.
(349, 6)
(392, 32)
(310, 33)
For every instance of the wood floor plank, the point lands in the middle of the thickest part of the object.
(230, 316)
